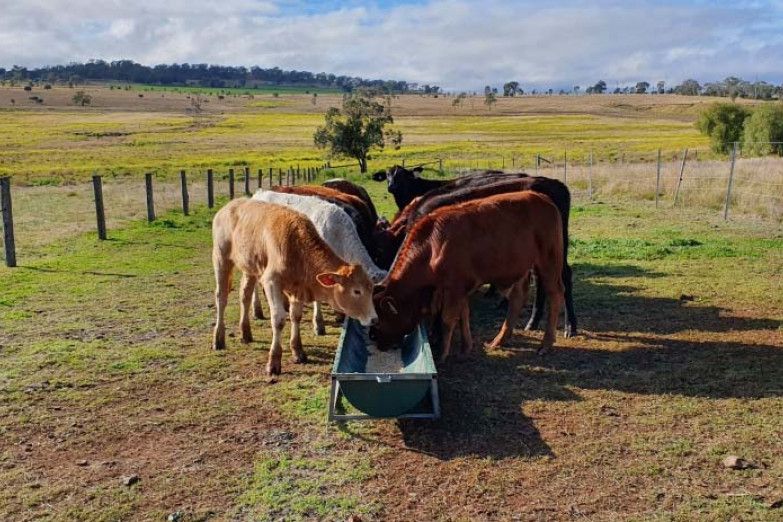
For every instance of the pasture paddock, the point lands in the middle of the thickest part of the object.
(106, 372)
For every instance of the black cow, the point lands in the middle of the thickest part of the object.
(406, 185)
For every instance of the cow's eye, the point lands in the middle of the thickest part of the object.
(357, 292)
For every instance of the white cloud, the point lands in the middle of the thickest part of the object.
(453, 43)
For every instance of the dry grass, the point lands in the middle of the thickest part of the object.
(105, 371)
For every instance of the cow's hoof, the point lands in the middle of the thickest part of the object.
(320, 330)
(273, 368)
(300, 359)
(219, 345)
(247, 338)
(544, 349)
(531, 327)
(570, 332)
(259, 316)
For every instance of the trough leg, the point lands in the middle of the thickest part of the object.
(318, 319)
(295, 311)
(246, 290)
(275, 298)
(516, 301)
(223, 271)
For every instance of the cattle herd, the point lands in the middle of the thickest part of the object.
(327, 244)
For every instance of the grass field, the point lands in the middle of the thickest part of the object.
(106, 372)
(129, 132)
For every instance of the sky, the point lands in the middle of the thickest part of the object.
(457, 44)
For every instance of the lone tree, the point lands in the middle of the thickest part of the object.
(81, 98)
(490, 98)
(358, 128)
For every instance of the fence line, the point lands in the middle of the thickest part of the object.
(740, 187)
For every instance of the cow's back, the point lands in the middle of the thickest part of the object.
(495, 239)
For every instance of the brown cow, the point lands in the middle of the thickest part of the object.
(451, 252)
(282, 249)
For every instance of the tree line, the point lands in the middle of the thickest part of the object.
(202, 75)
(756, 129)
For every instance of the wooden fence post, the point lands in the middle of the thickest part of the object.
(440, 165)
(185, 197)
(565, 167)
(270, 177)
(100, 215)
(297, 172)
(279, 177)
(8, 222)
(150, 200)
(260, 177)
(679, 181)
(731, 179)
(247, 181)
(230, 183)
(590, 178)
(210, 189)
(658, 180)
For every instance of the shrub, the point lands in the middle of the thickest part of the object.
(28, 88)
(723, 123)
(764, 125)
(48, 86)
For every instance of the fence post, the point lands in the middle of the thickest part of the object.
(565, 167)
(403, 163)
(590, 177)
(279, 176)
(150, 200)
(502, 162)
(8, 222)
(297, 173)
(210, 189)
(97, 188)
(538, 162)
(185, 197)
(247, 181)
(230, 183)
(513, 162)
(270, 176)
(658, 180)
(679, 181)
(731, 179)
(260, 177)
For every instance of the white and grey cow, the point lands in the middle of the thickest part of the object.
(336, 228)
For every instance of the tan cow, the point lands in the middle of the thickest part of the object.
(281, 248)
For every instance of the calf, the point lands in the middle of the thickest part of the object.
(451, 252)
(335, 227)
(282, 249)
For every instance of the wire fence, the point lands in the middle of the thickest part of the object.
(733, 187)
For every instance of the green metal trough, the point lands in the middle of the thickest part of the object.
(412, 392)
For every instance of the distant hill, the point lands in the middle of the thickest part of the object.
(203, 75)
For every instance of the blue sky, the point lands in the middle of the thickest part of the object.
(460, 45)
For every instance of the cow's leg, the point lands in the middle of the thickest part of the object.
(555, 291)
(318, 319)
(450, 315)
(246, 290)
(275, 298)
(516, 301)
(538, 305)
(223, 272)
(570, 315)
(295, 312)
(467, 337)
(258, 310)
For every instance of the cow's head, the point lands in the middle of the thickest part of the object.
(351, 292)
(395, 319)
(401, 184)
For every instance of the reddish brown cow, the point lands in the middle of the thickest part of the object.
(449, 253)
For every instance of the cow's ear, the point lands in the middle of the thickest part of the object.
(329, 279)
(389, 304)
(379, 176)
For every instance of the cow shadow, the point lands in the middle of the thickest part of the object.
(630, 342)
